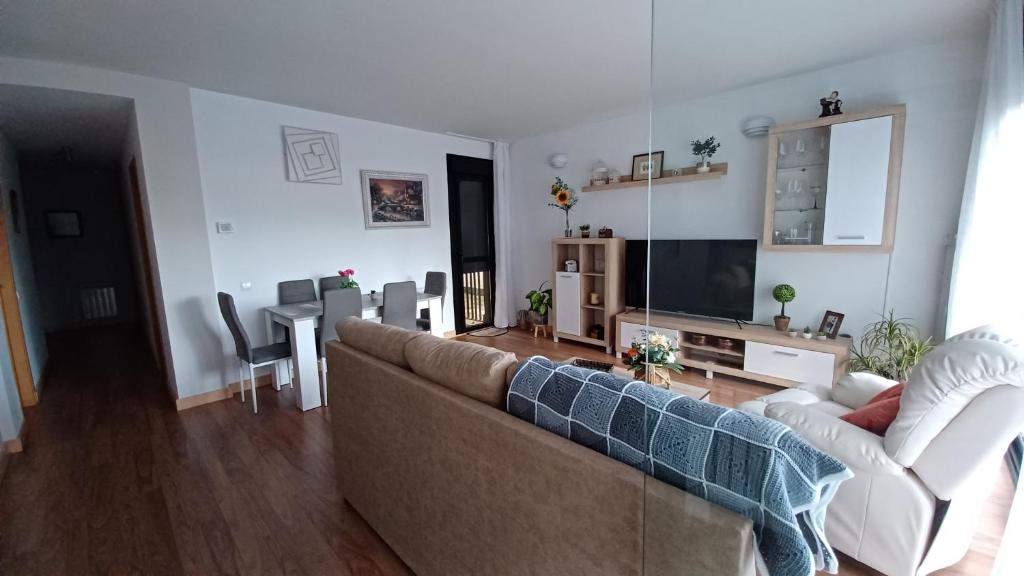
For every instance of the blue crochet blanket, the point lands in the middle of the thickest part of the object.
(749, 464)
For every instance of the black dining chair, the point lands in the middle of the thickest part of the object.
(400, 305)
(436, 284)
(253, 357)
(338, 304)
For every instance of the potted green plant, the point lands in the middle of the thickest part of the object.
(783, 294)
(890, 348)
(540, 303)
(705, 149)
(821, 335)
(807, 333)
(584, 230)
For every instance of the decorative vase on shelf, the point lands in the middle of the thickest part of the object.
(703, 167)
(568, 232)
(655, 375)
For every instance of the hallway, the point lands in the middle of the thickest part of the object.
(114, 481)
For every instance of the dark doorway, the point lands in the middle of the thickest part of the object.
(471, 217)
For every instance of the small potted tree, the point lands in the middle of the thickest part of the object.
(540, 303)
(783, 294)
(705, 149)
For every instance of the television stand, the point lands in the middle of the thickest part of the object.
(752, 352)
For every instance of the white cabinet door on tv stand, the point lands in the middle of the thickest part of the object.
(567, 303)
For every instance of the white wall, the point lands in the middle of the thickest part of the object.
(940, 86)
(166, 142)
(287, 230)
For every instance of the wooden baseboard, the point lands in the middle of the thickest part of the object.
(450, 334)
(218, 395)
(12, 446)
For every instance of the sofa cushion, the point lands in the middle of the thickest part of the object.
(877, 415)
(857, 388)
(470, 369)
(384, 342)
(946, 381)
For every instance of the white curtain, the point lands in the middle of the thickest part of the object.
(504, 314)
(987, 274)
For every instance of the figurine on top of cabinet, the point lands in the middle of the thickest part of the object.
(831, 105)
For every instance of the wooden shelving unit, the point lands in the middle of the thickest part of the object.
(688, 175)
(759, 352)
(601, 263)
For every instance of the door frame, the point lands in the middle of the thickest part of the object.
(142, 237)
(12, 314)
(482, 170)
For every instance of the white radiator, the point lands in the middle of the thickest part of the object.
(98, 303)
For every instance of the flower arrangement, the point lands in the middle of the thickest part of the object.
(346, 278)
(564, 200)
(649, 358)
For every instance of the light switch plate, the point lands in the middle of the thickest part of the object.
(225, 228)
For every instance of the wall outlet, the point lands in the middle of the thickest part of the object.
(225, 228)
(246, 285)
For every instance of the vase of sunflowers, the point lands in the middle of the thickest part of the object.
(564, 201)
(651, 359)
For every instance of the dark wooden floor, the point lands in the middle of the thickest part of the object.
(114, 481)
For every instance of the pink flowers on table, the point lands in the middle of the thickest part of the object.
(346, 278)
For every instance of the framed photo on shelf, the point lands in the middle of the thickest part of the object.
(830, 324)
(648, 165)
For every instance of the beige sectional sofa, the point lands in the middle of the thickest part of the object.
(427, 455)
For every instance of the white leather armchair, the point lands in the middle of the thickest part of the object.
(912, 505)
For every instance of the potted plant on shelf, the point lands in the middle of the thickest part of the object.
(821, 335)
(564, 201)
(807, 333)
(347, 280)
(584, 230)
(783, 294)
(890, 348)
(651, 359)
(705, 149)
(540, 303)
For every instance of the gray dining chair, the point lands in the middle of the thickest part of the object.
(247, 355)
(338, 304)
(437, 284)
(329, 283)
(400, 305)
(296, 291)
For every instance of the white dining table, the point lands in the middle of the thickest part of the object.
(301, 319)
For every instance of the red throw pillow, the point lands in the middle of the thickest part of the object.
(877, 415)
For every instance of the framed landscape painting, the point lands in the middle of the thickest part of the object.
(395, 199)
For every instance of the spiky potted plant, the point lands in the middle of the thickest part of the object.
(890, 348)
(783, 294)
(540, 303)
(584, 230)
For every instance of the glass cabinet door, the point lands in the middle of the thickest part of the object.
(801, 186)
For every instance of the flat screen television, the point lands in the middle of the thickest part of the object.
(700, 277)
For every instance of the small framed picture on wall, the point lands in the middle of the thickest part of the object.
(63, 224)
(647, 165)
(830, 324)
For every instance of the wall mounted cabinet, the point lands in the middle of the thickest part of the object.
(833, 183)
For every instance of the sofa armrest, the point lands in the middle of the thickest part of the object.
(857, 448)
(855, 389)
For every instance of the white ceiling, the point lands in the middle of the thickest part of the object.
(498, 69)
(40, 121)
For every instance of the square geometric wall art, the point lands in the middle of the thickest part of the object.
(312, 156)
